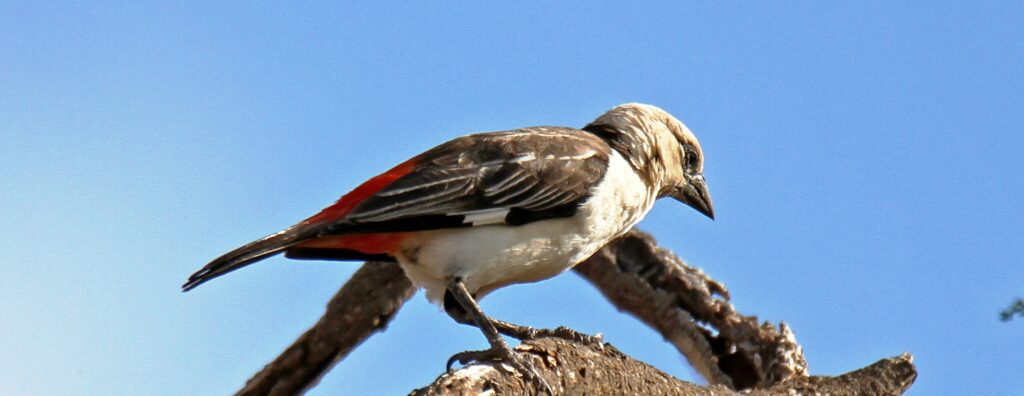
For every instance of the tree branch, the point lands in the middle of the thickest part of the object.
(363, 306)
(891, 376)
(569, 368)
(692, 311)
(573, 368)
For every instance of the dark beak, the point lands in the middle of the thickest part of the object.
(696, 195)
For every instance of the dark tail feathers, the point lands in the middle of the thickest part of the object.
(248, 254)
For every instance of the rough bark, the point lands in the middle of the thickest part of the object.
(576, 369)
(692, 311)
(363, 306)
(569, 368)
(687, 307)
(892, 376)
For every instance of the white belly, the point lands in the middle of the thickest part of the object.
(489, 257)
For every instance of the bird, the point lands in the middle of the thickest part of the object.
(488, 210)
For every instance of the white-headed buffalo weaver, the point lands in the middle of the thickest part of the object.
(492, 209)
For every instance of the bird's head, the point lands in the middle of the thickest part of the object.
(660, 148)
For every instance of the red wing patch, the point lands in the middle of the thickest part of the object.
(349, 201)
(379, 243)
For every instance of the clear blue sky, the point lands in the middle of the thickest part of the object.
(865, 161)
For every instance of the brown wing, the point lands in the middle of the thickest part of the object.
(511, 177)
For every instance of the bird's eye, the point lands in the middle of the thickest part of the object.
(691, 157)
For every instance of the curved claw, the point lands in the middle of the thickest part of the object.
(465, 357)
(518, 364)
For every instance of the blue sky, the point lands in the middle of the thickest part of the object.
(864, 159)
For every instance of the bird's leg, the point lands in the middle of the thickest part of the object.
(499, 349)
(519, 332)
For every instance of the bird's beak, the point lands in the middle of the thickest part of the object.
(696, 195)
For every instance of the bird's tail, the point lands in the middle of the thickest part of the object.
(248, 254)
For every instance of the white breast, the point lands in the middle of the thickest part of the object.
(489, 257)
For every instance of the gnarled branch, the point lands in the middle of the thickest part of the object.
(576, 369)
(692, 311)
(363, 306)
(570, 368)
(687, 307)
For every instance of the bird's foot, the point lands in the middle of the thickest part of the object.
(505, 356)
(565, 333)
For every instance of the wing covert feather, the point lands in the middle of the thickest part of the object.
(530, 170)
